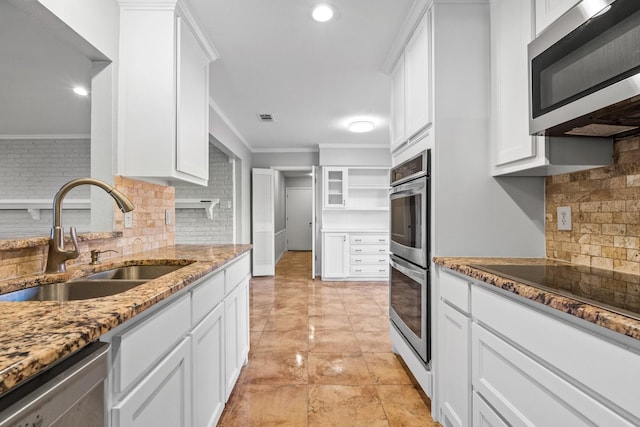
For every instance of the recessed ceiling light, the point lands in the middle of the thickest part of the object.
(322, 13)
(80, 91)
(361, 126)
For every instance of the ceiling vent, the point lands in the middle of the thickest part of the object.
(267, 118)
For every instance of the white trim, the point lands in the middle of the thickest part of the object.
(351, 146)
(285, 150)
(293, 168)
(284, 247)
(185, 10)
(48, 136)
(225, 119)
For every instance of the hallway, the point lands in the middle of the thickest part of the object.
(321, 356)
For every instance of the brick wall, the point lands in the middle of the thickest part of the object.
(605, 208)
(36, 169)
(192, 225)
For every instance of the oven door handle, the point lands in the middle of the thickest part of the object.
(414, 187)
(418, 276)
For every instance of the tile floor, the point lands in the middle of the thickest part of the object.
(321, 356)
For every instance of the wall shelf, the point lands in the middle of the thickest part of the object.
(34, 206)
(207, 204)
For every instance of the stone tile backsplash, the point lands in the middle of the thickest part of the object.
(605, 212)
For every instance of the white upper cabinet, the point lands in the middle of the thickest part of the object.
(510, 33)
(335, 188)
(410, 86)
(548, 11)
(397, 104)
(163, 117)
(417, 72)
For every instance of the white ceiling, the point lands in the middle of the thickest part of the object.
(312, 77)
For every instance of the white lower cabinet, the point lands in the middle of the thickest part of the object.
(177, 364)
(236, 336)
(483, 415)
(355, 256)
(162, 398)
(207, 348)
(334, 256)
(526, 366)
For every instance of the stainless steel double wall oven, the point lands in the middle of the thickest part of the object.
(410, 288)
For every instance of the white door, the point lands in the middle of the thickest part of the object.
(299, 211)
(263, 207)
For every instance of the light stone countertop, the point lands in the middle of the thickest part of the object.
(36, 334)
(620, 323)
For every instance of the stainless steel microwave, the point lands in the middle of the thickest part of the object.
(584, 72)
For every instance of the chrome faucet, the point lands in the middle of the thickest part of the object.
(58, 256)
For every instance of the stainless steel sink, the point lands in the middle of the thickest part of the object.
(134, 272)
(105, 283)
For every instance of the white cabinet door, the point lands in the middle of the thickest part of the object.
(483, 415)
(397, 104)
(236, 334)
(207, 350)
(163, 398)
(510, 33)
(334, 255)
(455, 367)
(335, 186)
(548, 11)
(418, 78)
(192, 144)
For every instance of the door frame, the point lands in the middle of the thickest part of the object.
(310, 170)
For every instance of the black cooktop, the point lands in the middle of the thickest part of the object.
(608, 289)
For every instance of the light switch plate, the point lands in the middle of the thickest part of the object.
(167, 216)
(564, 218)
(128, 219)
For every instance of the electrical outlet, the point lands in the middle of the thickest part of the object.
(128, 219)
(167, 216)
(564, 218)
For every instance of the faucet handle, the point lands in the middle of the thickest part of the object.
(74, 240)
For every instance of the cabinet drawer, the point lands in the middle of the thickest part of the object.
(140, 348)
(526, 393)
(369, 238)
(483, 415)
(206, 296)
(597, 363)
(368, 249)
(235, 273)
(454, 290)
(369, 259)
(369, 270)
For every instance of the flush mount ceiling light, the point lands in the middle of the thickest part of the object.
(80, 91)
(322, 13)
(361, 126)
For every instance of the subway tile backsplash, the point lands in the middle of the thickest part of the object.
(605, 212)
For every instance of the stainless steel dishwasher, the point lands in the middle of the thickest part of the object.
(70, 394)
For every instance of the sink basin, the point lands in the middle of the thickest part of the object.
(134, 272)
(102, 284)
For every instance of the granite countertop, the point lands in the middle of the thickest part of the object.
(598, 315)
(36, 334)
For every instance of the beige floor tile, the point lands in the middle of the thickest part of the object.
(277, 368)
(329, 323)
(359, 309)
(283, 341)
(286, 322)
(369, 323)
(327, 309)
(386, 369)
(333, 342)
(404, 406)
(349, 406)
(269, 405)
(338, 368)
(374, 342)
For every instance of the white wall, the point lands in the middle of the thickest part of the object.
(229, 141)
(267, 160)
(333, 155)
